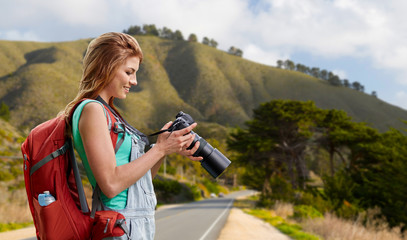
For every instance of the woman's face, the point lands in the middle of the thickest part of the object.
(123, 79)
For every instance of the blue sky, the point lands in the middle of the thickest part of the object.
(359, 40)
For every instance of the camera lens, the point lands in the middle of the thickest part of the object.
(213, 161)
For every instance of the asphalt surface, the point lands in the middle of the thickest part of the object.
(201, 220)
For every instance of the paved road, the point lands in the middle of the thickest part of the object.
(201, 220)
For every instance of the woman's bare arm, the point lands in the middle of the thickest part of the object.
(113, 179)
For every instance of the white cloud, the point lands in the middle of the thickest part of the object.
(17, 35)
(252, 52)
(220, 20)
(373, 30)
(78, 12)
(264, 29)
(28, 14)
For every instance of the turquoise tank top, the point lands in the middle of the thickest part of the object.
(122, 156)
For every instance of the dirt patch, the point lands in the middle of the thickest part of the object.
(240, 225)
(24, 233)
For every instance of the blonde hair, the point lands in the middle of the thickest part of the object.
(103, 56)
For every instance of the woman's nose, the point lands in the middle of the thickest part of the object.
(133, 80)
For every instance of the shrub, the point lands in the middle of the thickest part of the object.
(332, 227)
(194, 192)
(281, 191)
(294, 231)
(13, 226)
(305, 212)
(283, 209)
(166, 189)
(212, 187)
(315, 200)
(4, 111)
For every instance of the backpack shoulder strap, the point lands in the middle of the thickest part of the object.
(114, 126)
(78, 181)
(69, 146)
(60, 151)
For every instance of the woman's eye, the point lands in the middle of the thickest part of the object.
(128, 73)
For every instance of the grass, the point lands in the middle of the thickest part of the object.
(292, 230)
(334, 228)
(277, 217)
(13, 226)
(210, 84)
(328, 227)
(38, 79)
(14, 210)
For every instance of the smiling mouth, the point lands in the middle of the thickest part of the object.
(127, 88)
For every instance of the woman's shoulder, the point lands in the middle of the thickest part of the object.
(90, 108)
(88, 102)
(93, 107)
(89, 105)
(93, 116)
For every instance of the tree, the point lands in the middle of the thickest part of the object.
(334, 128)
(192, 38)
(374, 94)
(315, 72)
(339, 134)
(381, 174)
(330, 75)
(276, 139)
(178, 35)
(239, 52)
(301, 68)
(279, 63)
(346, 83)
(235, 51)
(289, 65)
(373, 172)
(133, 30)
(324, 74)
(335, 80)
(357, 86)
(166, 33)
(213, 43)
(150, 30)
(205, 41)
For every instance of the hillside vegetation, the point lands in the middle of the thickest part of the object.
(354, 166)
(38, 79)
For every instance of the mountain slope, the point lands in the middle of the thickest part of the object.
(38, 79)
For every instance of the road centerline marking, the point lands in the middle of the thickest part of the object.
(214, 223)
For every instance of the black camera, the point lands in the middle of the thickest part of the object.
(213, 161)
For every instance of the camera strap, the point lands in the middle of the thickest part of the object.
(170, 129)
(159, 132)
(126, 124)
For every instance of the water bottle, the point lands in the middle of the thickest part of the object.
(45, 199)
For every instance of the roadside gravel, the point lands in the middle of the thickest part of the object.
(24, 233)
(239, 226)
(242, 226)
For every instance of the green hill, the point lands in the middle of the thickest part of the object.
(38, 79)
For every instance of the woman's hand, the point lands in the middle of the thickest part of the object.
(189, 153)
(178, 141)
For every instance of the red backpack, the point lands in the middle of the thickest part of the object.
(50, 165)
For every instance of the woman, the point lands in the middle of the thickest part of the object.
(125, 177)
